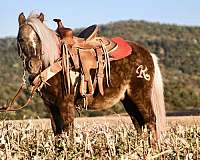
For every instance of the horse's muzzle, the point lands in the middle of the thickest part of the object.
(34, 66)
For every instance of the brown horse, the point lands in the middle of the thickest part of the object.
(136, 80)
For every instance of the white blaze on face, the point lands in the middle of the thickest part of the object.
(33, 42)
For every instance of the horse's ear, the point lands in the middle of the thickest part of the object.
(21, 19)
(41, 17)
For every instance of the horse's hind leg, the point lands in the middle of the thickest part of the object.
(134, 113)
(141, 99)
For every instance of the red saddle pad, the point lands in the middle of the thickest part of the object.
(123, 50)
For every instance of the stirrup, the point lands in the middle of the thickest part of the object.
(82, 103)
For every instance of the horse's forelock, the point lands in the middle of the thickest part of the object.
(48, 38)
(33, 14)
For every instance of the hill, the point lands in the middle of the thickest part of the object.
(178, 48)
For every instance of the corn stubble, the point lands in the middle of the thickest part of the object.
(98, 138)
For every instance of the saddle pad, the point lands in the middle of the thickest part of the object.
(123, 50)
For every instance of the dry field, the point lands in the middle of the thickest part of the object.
(99, 138)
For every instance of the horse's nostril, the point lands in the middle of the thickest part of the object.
(31, 78)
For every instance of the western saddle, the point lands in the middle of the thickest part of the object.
(87, 51)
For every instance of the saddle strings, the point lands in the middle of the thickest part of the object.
(106, 62)
(65, 64)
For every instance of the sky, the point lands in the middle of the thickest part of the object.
(82, 13)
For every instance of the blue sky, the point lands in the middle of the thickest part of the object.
(86, 12)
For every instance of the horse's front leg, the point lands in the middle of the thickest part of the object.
(62, 114)
(67, 113)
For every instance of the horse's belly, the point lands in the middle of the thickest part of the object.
(112, 96)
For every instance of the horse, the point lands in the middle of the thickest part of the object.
(136, 80)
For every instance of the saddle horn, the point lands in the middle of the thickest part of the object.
(59, 22)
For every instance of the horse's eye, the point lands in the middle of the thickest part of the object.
(21, 40)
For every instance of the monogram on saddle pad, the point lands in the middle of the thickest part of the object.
(88, 51)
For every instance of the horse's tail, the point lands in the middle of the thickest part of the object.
(157, 98)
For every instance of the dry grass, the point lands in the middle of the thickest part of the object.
(99, 138)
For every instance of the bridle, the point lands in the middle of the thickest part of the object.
(37, 84)
(22, 55)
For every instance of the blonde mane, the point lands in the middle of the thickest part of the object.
(49, 40)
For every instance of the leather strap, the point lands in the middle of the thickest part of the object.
(65, 68)
(100, 73)
(9, 106)
(75, 58)
(49, 72)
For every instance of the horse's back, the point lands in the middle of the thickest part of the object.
(123, 71)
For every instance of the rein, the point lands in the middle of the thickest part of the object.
(38, 83)
(9, 107)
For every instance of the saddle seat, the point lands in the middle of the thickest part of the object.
(89, 33)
